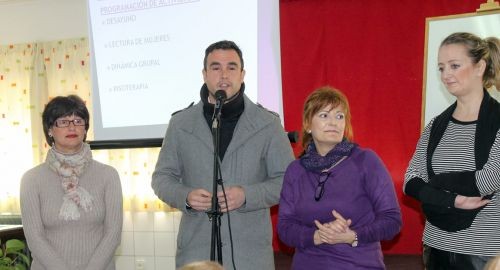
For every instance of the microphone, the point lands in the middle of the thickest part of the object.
(220, 97)
(293, 136)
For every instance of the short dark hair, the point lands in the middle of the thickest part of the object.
(60, 107)
(223, 45)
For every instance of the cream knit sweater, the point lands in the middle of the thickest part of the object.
(85, 244)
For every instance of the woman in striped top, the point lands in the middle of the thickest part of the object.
(455, 170)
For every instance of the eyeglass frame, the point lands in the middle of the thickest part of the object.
(320, 189)
(56, 123)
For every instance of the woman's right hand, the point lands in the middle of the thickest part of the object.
(469, 203)
(334, 232)
(340, 224)
(325, 235)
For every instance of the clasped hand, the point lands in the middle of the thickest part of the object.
(201, 199)
(334, 232)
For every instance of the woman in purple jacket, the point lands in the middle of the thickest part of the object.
(337, 200)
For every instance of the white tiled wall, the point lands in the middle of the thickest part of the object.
(148, 241)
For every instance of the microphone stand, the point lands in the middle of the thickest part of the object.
(215, 214)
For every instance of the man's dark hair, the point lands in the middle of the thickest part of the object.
(223, 45)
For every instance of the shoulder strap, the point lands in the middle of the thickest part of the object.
(176, 112)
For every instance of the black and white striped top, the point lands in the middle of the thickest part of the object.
(455, 152)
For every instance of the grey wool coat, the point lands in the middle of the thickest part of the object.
(256, 160)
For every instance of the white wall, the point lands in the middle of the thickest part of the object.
(148, 241)
(23, 21)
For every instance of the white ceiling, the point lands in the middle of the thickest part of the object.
(23, 21)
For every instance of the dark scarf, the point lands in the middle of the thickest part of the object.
(230, 114)
(313, 161)
(463, 183)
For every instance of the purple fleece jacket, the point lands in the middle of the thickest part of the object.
(360, 189)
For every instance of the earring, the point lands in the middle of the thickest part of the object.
(50, 135)
(309, 131)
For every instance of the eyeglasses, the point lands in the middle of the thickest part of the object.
(320, 189)
(65, 123)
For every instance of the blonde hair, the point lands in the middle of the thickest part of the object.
(493, 264)
(202, 265)
(494, 45)
(478, 49)
(319, 99)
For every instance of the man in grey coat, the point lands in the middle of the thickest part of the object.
(254, 151)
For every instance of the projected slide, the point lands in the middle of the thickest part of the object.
(148, 58)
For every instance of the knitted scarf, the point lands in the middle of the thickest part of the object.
(313, 161)
(70, 168)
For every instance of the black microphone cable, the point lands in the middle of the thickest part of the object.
(221, 183)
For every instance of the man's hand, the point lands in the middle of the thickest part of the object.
(235, 198)
(200, 199)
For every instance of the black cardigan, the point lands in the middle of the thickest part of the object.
(438, 196)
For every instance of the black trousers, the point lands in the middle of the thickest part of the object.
(435, 259)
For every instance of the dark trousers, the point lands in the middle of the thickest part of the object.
(435, 259)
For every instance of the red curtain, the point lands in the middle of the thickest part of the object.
(373, 51)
